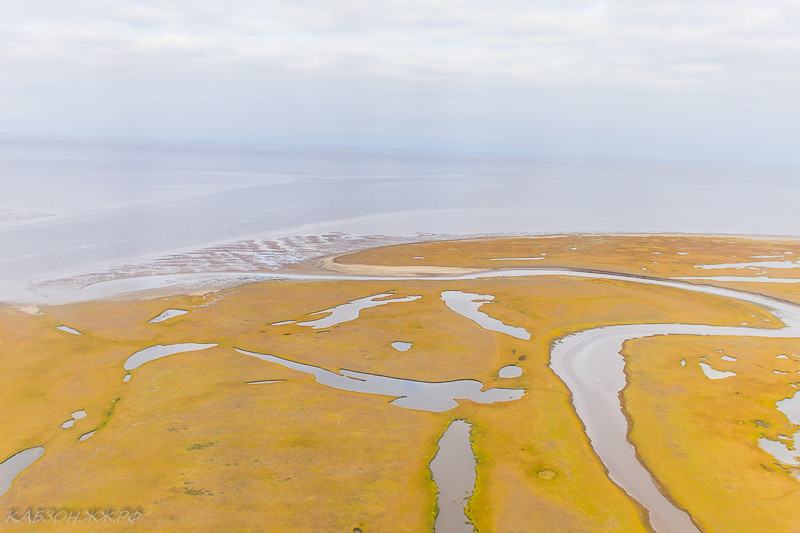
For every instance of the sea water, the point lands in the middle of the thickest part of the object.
(74, 213)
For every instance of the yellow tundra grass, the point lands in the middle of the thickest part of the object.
(193, 446)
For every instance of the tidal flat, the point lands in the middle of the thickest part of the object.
(191, 442)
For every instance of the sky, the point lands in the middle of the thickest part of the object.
(700, 80)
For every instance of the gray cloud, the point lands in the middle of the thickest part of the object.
(659, 77)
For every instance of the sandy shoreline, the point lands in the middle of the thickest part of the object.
(197, 274)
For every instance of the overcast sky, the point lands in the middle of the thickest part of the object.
(694, 80)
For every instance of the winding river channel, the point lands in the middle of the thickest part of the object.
(591, 365)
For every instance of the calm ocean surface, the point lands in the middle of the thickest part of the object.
(95, 211)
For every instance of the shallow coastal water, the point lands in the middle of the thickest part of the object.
(202, 209)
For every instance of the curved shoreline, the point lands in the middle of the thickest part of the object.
(143, 273)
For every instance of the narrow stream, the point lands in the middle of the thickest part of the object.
(453, 470)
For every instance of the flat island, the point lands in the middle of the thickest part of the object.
(565, 383)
